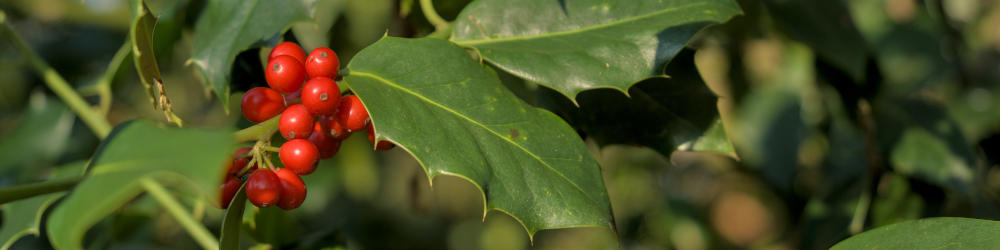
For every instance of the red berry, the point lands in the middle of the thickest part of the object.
(299, 155)
(228, 191)
(293, 190)
(288, 49)
(333, 127)
(352, 114)
(260, 104)
(295, 122)
(240, 162)
(326, 144)
(263, 188)
(321, 96)
(381, 145)
(323, 62)
(284, 74)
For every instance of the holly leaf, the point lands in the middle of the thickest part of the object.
(456, 118)
(141, 36)
(134, 151)
(572, 46)
(229, 238)
(23, 217)
(228, 27)
(933, 233)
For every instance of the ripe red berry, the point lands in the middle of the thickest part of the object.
(321, 96)
(288, 49)
(293, 190)
(284, 74)
(260, 104)
(239, 162)
(228, 191)
(326, 144)
(299, 155)
(323, 62)
(381, 145)
(333, 127)
(263, 188)
(295, 122)
(352, 113)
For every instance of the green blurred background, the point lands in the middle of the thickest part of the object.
(784, 182)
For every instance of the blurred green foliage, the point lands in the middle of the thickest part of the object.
(877, 112)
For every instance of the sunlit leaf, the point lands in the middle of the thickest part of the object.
(572, 46)
(455, 117)
(934, 233)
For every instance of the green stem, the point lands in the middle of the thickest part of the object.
(441, 33)
(432, 16)
(93, 118)
(174, 208)
(259, 131)
(103, 85)
(270, 148)
(18, 192)
(860, 212)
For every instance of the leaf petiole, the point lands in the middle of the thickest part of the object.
(432, 16)
(18, 192)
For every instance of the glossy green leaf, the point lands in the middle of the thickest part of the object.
(39, 137)
(455, 117)
(135, 150)
(573, 46)
(141, 36)
(827, 27)
(660, 113)
(933, 233)
(229, 238)
(24, 217)
(228, 27)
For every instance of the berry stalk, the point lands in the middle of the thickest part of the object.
(258, 132)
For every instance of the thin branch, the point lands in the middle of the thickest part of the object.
(432, 16)
(25, 191)
(174, 208)
(93, 118)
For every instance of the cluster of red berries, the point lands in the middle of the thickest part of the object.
(314, 119)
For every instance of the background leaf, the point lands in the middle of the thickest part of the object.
(39, 137)
(227, 27)
(454, 116)
(920, 140)
(660, 113)
(827, 28)
(573, 46)
(934, 233)
(24, 217)
(135, 150)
